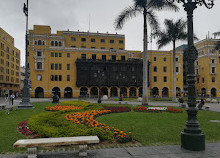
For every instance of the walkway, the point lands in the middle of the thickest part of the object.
(170, 151)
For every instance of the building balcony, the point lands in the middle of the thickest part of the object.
(213, 73)
(39, 69)
(39, 57)
(213, 64)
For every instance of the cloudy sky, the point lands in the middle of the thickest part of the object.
(75, 14)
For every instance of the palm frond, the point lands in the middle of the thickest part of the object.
(152, 19)
(126, 14)
(163, 40)
(162, 5)
(140, 3)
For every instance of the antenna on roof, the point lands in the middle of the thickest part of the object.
(89, 22)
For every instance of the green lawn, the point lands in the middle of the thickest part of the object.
(9, 122)
(147, 128)
(161, 128)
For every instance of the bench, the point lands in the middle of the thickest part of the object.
(32, 144)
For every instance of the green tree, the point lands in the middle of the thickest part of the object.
(173, 31)
(146, 8)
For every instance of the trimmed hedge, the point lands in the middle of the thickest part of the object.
(55, 125)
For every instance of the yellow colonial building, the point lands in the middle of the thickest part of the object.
(74, 64)
(9, 65)
(207, 68)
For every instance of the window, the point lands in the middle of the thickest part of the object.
(103, 57)
(213, 70)
(39, 77)
(177, 59)
(164, 69)
(155, 78)
(93, 47)
(39, 42)
(102, 47)
(92, 39)
(52, 77)
(52, 66)
(93, 56)
(56, 66)
(112, 41)
(212, 60)
(60, 77)
(60, 66)
(213, 79)
(68, 77)
(197, 80)
(155, 69)
(114, 57)
(83, 56)
(73, 46)
(68, 55)
(177, 69)
(102, 40)
(121, 41)
(121, 49)
(83, 46)
(83, 39)
(164, 79)
(39, 65)
(60, 43)
(56, 43)
(56, 54)
(123, 58)
(60, 54)
(68, 66)
(56, 78)
(155, 58)
(39, 53)
(73, 38)
(164, 59)
(203, 80)
(52, 43)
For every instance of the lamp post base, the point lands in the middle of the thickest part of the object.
(194, 142)
(25, 105)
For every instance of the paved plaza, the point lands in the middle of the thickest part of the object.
(169, 151)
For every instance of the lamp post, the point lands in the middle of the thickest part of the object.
(25, 103)
(192, 137)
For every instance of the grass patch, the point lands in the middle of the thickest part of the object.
(161, 128)
(9, 122)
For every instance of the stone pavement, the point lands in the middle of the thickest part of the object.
(169, 151)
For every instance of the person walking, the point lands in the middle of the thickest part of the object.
(12, 96)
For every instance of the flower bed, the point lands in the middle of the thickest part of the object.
(62, 107)
(23, 129)
(157, 109)
(87, 118)
(117, 109)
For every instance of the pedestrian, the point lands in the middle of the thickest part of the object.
(201, 104)
(12, 96)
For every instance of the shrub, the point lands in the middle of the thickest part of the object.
(75, 103)
(55, 125)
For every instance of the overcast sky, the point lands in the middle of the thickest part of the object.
(74, 15)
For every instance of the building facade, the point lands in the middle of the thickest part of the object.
(207, 68)
(9, 65)
(74, 64)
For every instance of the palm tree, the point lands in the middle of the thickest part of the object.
(174, 31)
(146, 8)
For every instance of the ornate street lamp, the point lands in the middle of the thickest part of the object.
(25, 103)
(192, 137)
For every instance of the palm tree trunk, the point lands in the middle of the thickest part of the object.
(145, 62)
(174, 71)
